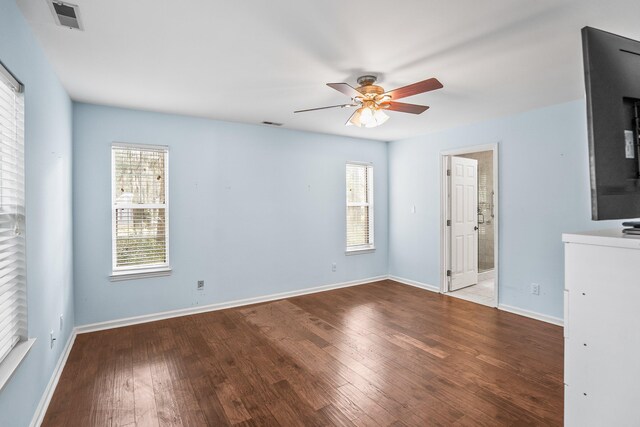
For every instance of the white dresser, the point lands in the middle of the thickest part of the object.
(602, 329)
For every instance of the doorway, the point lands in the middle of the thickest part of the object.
(469, 224)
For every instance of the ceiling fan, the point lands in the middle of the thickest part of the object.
(372, 100)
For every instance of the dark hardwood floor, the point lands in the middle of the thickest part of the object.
(377, 354)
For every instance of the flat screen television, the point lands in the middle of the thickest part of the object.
(612, 79)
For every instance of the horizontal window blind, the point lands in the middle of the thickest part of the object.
(13, 289)
(140, 223)
(359, 206)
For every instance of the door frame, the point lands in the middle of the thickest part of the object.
(445, 206)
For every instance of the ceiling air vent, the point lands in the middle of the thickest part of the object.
(66, 14)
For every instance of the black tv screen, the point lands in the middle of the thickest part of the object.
(612, 79)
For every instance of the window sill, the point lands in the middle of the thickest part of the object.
(360, 251)
(118, 276)
(10, 363)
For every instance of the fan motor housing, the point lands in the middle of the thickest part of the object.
(370, 89)
(366, 80)
(367, 86)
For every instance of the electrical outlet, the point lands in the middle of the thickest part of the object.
(413, 209)
(61, 321)
(535, 289)
(200, 285)
(52, 338)
(334, 267)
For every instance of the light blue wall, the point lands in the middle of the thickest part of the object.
(253, 211)
(49, 229)
(544, 191)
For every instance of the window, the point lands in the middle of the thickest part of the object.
(359, 207)
(140, 213)
(13, 287)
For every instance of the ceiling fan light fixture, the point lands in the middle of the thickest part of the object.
(368, 117)
(372, 100)
(354, 120)
(380, 116)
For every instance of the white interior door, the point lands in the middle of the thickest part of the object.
(464, 222)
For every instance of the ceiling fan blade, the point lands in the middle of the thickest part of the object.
(345, 88)
(407, 108)
(414, 89)
(324, 108)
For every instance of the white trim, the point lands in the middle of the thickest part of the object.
(118, 323)
(531, 314)
(504, 307)
(10, 79)
(139, 146)
(469, 150)
(364, 250)
(444, 214)
(357, 162)
(15, 357)
(415, 284)
(122, 275)
(41, 410)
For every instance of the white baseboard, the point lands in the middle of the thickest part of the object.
(531, 314)
(273, 297)
(118, 323)
(41, 410)
(43, 405)
(415, 284)
(519, 311)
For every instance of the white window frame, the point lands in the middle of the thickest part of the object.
(16, 355)
(370, 247)
(139, 272)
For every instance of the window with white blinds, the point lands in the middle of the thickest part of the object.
(140, 209)
(359, 207)
(13, 287)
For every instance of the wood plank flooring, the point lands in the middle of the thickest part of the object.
(381, 354)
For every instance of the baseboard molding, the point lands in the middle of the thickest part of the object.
(43, 405)
(118, 323)
(415, 284)
(531, 314)
(515, 310)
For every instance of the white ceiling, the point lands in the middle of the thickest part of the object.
(254, 60)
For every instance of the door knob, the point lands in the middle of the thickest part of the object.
(475, 228)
